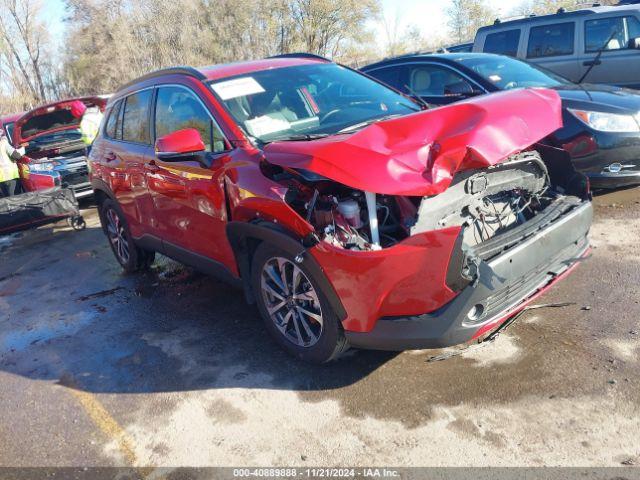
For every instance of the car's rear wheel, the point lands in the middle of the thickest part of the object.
(131, 257)
(295, 311)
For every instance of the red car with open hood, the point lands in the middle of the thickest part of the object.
(55, 153)
(347, 212)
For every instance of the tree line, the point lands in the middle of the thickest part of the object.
(108, 42)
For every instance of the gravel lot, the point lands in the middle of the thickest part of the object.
(172, 368)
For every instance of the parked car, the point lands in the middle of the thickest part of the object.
(351, 216)
(459, 48)
(601, 128)
(569, 43)
(55, 152)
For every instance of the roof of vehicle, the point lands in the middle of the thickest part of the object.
(227, 70)
(216, 72)
(561, 15)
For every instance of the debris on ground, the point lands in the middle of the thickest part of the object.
(100, 294)
(87, 254)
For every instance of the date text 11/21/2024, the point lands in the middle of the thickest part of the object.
(316, 472)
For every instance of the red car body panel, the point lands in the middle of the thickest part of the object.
(36, 181)
(419, 154)
(406, 279)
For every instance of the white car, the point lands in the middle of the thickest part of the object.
(602, 43)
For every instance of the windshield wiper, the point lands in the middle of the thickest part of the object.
(596, 60)
(360, 125)
(302, 137)
(417, 98)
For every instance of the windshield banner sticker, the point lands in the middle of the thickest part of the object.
(265, 125)
(239, 87)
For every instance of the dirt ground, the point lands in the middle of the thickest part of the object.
(172, 368)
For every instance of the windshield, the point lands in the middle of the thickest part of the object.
(305, 102)
(507, 73)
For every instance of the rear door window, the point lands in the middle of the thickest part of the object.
(135, 122)
(551, 40)
(612, 33)
(505, 43)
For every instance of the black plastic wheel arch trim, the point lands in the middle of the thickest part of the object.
(239, 233)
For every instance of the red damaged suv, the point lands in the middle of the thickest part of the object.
(347, 212)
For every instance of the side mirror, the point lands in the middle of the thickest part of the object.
(181, 146)
(634, 43)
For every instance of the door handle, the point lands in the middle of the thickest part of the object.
(110, 157)
(591, 63)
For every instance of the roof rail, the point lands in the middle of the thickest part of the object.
(181, 70)
(300, 55)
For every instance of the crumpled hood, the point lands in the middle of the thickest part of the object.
(419, 154)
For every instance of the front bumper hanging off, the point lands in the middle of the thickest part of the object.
(505, 285)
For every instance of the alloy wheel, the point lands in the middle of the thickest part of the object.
(291, 302)
(117, 237)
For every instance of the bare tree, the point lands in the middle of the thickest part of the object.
(401, 38)
(466, 16)
(327, 26)
(112, 41)
(26, 68)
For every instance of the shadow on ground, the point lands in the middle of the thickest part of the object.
(75, 319)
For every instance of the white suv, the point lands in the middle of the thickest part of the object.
(569, 43)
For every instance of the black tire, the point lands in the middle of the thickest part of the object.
(77, 222)
(331, 341)
(113, 221)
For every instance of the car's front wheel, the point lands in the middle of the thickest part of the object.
(295, 311)
(129, 255)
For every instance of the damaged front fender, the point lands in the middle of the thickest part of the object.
(419, 154)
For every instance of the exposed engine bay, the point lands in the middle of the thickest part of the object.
(486, 203)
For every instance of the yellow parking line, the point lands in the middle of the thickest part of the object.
(107, 424)
(112, 429)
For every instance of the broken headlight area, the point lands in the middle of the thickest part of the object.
(495, 208)
(345, 217)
